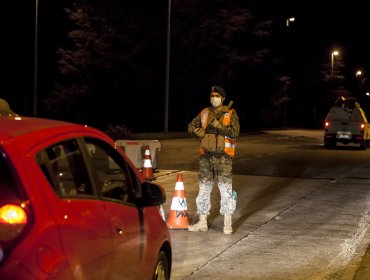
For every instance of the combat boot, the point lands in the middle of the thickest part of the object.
(228, 229)
(201, 225)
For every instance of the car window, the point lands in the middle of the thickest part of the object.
(64, 167)
(349, 103)
(114, 178)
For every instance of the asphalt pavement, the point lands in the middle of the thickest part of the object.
(284, 229)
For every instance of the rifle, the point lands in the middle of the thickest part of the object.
(224, 110)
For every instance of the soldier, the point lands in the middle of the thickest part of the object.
(5, 109)
(217, 127)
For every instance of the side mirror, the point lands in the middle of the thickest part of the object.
(151, 195)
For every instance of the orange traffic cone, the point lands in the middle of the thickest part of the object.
(147, 172)
(178, 217)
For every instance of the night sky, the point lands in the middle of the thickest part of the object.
(326, 25)
(346, 29)
(320, 26)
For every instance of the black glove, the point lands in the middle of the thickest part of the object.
(211, 129)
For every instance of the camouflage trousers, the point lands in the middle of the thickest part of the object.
(215, 169)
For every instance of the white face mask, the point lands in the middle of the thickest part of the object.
(216, 101)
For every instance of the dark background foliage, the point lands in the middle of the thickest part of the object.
(103, 62)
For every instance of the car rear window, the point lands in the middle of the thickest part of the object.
(348, 103)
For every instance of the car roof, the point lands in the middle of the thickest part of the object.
(13, 127)
(28, 132)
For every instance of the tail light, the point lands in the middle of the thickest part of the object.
(15, 208)
(362, 126)
(11, 214)
(327, 124)
(13, 220)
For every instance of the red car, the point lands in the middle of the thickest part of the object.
(73, 206)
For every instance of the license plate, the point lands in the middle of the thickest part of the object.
(344, 135)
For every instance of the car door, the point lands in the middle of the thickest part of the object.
(84, 225)
(118, 189)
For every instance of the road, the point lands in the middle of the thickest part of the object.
(302, 212)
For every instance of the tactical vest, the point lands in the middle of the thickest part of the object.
(230, 143)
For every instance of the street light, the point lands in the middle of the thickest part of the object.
(35, 89)
(288, 20)
(333, 53)
(358, 73)
(167, 86)
(361, 80)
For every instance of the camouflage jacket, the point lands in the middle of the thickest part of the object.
(232, 130)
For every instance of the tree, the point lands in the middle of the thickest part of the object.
(220, 42)
(115, 61)
(108, 63)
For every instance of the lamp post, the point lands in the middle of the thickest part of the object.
(167, 85)
(288, 20)
(358, 73)
(35, 89)
(361, 81)
(333, 53)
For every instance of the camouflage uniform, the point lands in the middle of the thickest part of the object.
(215, 167)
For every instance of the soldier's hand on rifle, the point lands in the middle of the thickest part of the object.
(210, 129)
(199, 132)
(216, 124)
(224, 109)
